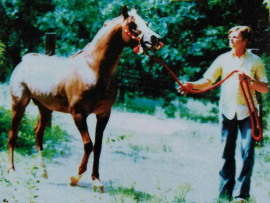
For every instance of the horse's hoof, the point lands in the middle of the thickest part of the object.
(74, 180)
(11, 170)
(98, 186)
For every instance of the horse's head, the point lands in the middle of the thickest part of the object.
(137, 34)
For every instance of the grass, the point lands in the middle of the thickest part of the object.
(139, 105)
(20, 188)
(119, 138)
(178, 107)
(182, 192)
(122, 194)
(55, 138)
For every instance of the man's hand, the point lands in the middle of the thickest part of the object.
(242, 77)
(254, 84)
(184, 90)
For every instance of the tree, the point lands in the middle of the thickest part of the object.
(193, 32)
(19, 31)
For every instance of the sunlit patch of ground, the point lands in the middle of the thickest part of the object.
(143, 158)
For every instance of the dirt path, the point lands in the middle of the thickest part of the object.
(166, 158)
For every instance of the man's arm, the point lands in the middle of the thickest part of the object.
(255, 84)
(259, 86)
(196, 85)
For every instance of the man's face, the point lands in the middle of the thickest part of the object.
(236, 40)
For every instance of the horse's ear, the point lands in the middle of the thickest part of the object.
(124, 11)
(134, 10)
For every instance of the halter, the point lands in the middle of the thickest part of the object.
(132, 36)
(140, 48)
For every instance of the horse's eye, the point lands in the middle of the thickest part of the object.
(132, 26)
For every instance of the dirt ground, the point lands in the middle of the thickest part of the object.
(165, 158)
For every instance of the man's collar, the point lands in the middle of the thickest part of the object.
(242, 57)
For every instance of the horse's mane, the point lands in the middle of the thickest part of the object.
(108, 27)
(61, 61)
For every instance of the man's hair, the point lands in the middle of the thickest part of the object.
(244, 30)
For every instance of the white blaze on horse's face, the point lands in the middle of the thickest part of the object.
(148, 38)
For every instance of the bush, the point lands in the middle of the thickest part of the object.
(139, 104)
(55, 139)
(5, 118)
(172, 106)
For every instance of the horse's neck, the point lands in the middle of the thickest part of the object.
(103, 53)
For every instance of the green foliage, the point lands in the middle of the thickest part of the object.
(5, 118)
(55, 139)
(4, 71)
(194, 33)
(170, 107)
(266, 97)
(121, 194)
(2, 48)
(140, 104)
(19, 30)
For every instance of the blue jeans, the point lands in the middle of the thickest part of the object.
(228, 185)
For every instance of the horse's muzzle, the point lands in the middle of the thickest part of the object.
(152, 44)
(154, 40)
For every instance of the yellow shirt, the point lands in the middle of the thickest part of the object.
(232, 101)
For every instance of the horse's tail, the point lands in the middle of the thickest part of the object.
(79, 52)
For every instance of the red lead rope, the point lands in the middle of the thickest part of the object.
(259, 137)
(256, 138)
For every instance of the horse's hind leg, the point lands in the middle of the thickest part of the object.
(100, 127)
(44, 120)
(18, 108)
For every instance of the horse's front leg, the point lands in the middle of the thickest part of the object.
(80, 121)
(101, 124)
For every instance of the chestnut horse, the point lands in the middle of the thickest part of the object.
(80, 85)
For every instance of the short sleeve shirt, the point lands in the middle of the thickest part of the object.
(232, 102)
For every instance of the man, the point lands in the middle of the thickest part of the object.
(234, 113)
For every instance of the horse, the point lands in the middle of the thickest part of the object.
(80, 85)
